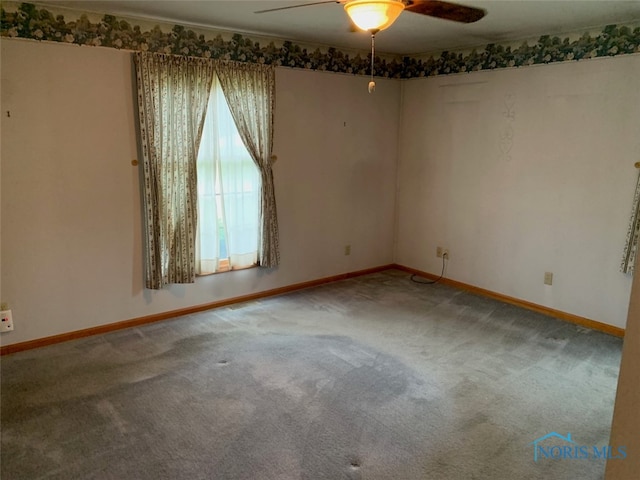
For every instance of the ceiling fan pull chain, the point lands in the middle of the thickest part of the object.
(372, 84)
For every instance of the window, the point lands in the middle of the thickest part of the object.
(228, 193)
(239, 223)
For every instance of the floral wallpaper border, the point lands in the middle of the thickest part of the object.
(32, 22)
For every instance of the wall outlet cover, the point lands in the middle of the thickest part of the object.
(7, 321)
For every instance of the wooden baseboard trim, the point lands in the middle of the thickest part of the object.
(569, 317)
(134, 322)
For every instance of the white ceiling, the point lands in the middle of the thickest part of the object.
(506, 20)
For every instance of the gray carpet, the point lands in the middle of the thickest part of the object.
(370, 378)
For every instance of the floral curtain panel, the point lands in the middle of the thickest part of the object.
(173, 92)
(250, 92)
(631, 247)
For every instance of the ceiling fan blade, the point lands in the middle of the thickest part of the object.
(446, 10)
(296, 6)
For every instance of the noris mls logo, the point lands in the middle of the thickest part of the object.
(565, 448)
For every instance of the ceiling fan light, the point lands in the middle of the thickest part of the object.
(374, 14)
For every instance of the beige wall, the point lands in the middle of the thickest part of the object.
(523, 171)
(71, 225)
(512, 196)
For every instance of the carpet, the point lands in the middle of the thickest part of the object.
(374, 377)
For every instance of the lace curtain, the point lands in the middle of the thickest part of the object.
(631, 246)
(228, 193)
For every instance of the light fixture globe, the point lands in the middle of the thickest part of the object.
(374, 15)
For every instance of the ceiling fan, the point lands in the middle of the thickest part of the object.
(365, 13)
(374, 16)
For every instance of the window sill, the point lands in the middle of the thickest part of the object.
(225, 269)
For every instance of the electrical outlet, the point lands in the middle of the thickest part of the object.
(548, 278)
(439, 251)
(7, 321)
(347, 249)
